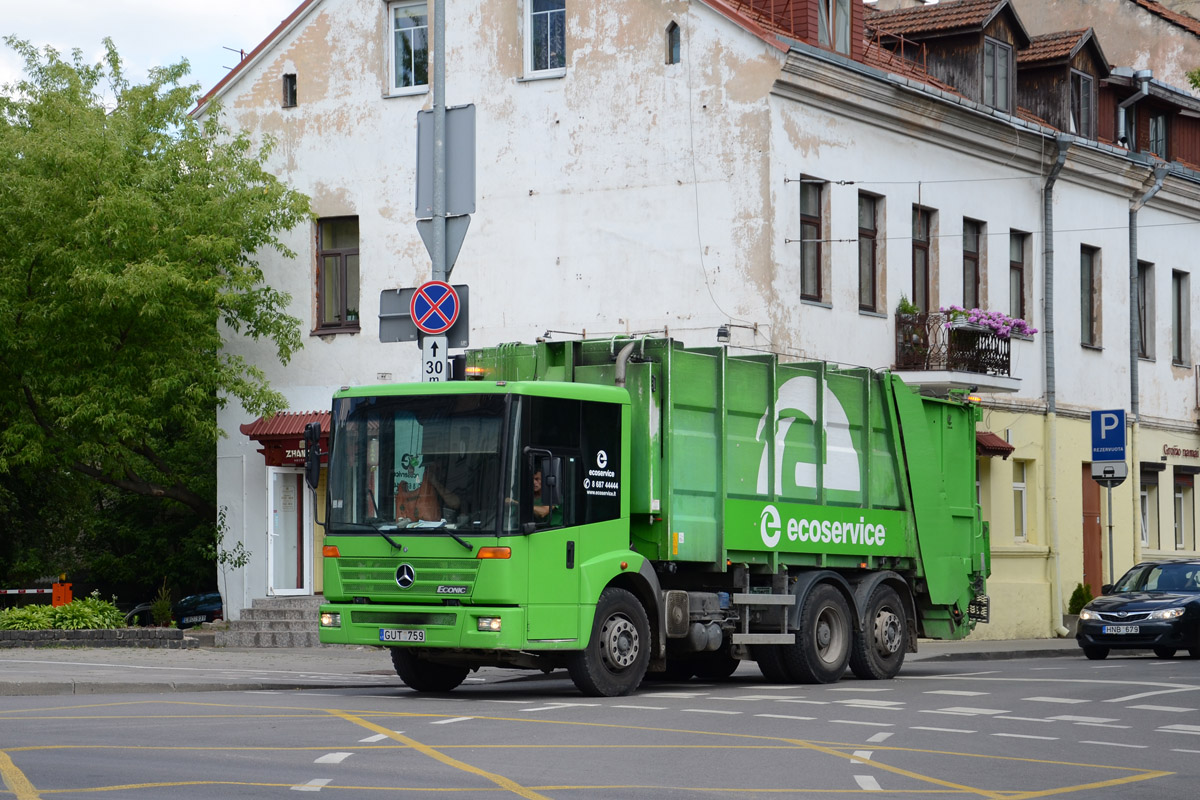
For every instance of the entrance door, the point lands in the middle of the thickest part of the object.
(289, 560)
(1093, 561)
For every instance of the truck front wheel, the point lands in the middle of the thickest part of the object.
(618, 651)
(426, 676)
(822, 645)
(879, 649)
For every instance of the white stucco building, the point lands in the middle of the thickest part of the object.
(674, 166)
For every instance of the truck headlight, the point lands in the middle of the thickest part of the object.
(491, 624)
(331, 620)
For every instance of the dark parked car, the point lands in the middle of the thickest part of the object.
(197, 608)
(1154, 606)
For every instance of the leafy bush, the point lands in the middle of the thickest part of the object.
(27, 618)
(86, 613)
(1079, 598)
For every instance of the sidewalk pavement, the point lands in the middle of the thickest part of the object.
(123, 670)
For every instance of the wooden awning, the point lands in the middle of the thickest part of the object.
(282, 436)
(989, 444)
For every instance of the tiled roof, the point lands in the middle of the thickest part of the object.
(285, 423)
(945, 17)
(1051, 46)
(1174, 17)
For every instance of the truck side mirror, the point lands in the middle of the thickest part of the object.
(312, 454)
(552, 476)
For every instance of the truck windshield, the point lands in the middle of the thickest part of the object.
(416, 462)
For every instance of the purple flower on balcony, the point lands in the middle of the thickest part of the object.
(999, 323)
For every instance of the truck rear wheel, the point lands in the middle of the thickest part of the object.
(770, 662)
(426, 676)
(617, 653)
(822, 645)
(879, 650)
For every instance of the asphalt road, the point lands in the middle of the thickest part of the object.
(1028, 727)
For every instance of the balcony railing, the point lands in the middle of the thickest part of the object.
(924, 342)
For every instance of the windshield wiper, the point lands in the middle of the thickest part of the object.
(441, 526)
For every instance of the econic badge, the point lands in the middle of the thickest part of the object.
(434, 307)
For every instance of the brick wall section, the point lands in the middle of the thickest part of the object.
(114, 637)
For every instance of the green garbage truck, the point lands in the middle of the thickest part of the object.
(631, 508)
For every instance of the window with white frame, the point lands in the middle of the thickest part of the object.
(408, 51)
(1183, 507)
(1083, 105)
(546, 36)
(833, 24)
(1020, 501)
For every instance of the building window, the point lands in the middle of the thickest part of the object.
(1149, 509)
(673, 43)
(1183, 510)
(1180, 319)
(409, 50)
(972, 246)
(289, 90)
(546, 44)
(1083, 105)
(337, 273)
(1016, 275)
(868, 252)
(810, 239)
(833, 24)
(1158, 135)
(1145, 309)
(1088, 294)
(922, 223)
(1020, 498)
(997, 74)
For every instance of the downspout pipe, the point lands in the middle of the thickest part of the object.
(1056, 606)
(1160, 173)
(1143, 75)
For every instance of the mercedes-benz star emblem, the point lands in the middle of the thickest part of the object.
(406, 576)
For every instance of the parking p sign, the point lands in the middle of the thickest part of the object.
(1108, 435)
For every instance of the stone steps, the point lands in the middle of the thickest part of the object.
(273, 622)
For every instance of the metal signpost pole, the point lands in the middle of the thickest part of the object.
(433, 348)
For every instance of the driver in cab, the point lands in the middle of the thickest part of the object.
(420, 492)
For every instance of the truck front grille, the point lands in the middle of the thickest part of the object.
(434, 579)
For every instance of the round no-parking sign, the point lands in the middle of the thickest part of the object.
(434, 307)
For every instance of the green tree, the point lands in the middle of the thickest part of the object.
(131, 235)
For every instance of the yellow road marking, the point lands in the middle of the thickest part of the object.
(15, 780)
(499, 780)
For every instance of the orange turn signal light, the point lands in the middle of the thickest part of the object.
(494, 552)
(330, 551)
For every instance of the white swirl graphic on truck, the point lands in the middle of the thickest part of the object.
(798, 396)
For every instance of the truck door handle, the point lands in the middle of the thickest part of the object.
(571, 555)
